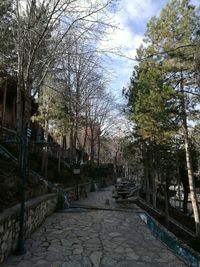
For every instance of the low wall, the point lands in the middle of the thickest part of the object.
(73, 191)
(36, 211)
(81, 189)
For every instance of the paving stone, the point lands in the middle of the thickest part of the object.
(55, 248)
(86, 262)
(78, 251)
(176, 264)
(39, 254)
(66, 242)
(67, 252)
(119, 249)
(56, 264)
(116, 256)
(132, 264)
(95, 239)
(146, 258)
(27, 256)
(45, 244)
(7, 265)
(114, 234)
(112, 246)
(108, 261)
(75, 258)
(38, 249)
(40, 263)
(87, 252)
(118, 239)
(54, 256)
(71, 264)
(24, 263)
(36, 259)
(95, 258)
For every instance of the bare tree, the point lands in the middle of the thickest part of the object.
(40, 27)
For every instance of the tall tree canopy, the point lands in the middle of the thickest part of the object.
(163, 95)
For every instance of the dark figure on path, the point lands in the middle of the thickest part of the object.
(83, 192)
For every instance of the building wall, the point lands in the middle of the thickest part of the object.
(8, 106)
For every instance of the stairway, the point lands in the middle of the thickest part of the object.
(4, 152)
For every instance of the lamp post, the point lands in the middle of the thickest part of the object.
(23, 173)
(76, 172)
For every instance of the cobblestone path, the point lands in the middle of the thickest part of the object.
(98, 238)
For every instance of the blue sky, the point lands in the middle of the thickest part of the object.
(131, 18)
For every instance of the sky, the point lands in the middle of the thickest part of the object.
(131, 18)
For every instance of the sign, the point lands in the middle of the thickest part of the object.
(28, 132)
(76, 171)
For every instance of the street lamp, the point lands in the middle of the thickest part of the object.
(23, 174)
(76, 172)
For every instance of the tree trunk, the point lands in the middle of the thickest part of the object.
(115, 170)
(14, 113)
(60, 153)
(71, 144)
(84, 141)
(20, 82)
(153, 186)
(39, 133)
(75, 141)
(45, 151)
(59, 158)
(179, 195)
(19, 109)
(4, 103)
(154, 174)
(185, 201)
(146, 176)
(46, 163)
(166, 195)
(92, 145)
(147, 184)
(27, 110)
(64, 142)
(179, 184)
(77, 103)
(153, 182)
(193, 195)
(98, 150)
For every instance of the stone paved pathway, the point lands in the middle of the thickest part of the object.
(94, 238)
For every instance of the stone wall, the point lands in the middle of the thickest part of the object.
(80, 188)
(36, 211)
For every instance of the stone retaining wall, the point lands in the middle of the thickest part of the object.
(36, 211)
(88, 187)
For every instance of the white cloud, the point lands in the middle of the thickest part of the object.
(195, 2)
(131, 19)
(140, 9)
(130, 14)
